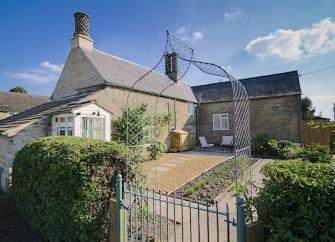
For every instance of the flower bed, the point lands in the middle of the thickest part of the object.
(211, 183)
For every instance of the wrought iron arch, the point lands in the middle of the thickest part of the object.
(185, 57)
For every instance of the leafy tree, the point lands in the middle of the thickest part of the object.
(307, 108)
(18, 89)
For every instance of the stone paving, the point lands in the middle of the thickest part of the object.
(175, 169)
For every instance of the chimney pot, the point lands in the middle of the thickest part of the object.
(81, 37)
(171, 66)
(82, 23)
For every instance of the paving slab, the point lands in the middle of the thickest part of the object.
(181, 168)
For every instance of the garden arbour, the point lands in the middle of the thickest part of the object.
(174, 63)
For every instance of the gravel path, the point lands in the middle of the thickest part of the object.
(175, 169)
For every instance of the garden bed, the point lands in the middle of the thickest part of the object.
(211, 183)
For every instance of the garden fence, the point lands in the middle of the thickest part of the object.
(151, 215)
(318, 135)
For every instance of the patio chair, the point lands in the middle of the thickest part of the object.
(228, 142)
(204, 144)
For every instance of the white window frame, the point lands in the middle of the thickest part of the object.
(190, 109)
(222, 117)
(93, 130)
(67, 127)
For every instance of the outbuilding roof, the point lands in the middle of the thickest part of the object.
(13, 124)
(281, 84)
(18, 102)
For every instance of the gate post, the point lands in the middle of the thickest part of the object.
(240, 219)
(118, 183)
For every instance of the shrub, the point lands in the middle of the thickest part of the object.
(316, 153)
(62, 185)
(299, 199)
(260, 145)
(157, 148)
(283, 149)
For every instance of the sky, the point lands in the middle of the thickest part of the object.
(247, 37)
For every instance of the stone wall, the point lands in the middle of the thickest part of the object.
(114, 99)
(10, 145)
(277, 117)
(205, 121)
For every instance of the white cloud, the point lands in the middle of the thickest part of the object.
(293, 45)
(233, 14)
(46, 73)
(181, 30)
(52, 67)
(193, 37)
(197, 36)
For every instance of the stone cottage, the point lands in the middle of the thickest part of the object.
(91, 92)
(13, 102)
(93, 89)
(274, 102)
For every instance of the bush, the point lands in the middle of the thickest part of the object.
(62, 185)
(260, 145)
(157, 148)
(299, 199)
(316, 153)
(283, 149)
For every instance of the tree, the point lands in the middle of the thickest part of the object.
(18, 89)
(307, 108)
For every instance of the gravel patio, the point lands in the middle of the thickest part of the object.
(173, 170)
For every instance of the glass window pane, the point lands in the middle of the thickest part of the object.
(62, 119)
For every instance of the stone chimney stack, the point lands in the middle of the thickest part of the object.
(81, 37)
(171, 66)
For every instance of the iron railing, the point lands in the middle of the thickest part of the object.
(156, 216)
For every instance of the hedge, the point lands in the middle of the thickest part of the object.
(299, 201)
(62, 185)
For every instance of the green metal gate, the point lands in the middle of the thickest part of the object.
(151, 215)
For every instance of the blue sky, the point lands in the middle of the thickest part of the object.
(247, 37)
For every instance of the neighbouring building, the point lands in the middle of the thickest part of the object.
(90, 93)
(12, 103)
(274, 103)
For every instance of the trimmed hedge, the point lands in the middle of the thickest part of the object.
(299, 201)
(62, 185)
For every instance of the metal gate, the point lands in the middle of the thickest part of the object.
(151, 215)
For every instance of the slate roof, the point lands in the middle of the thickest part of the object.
(18, 102)
(123, 73)
(13, 124)
(281, 84)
